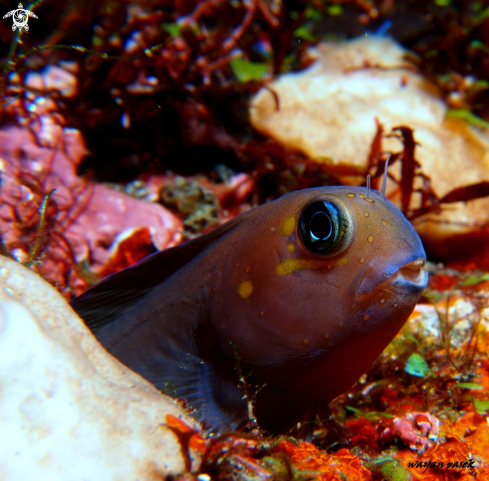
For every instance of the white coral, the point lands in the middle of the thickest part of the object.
(68, 410)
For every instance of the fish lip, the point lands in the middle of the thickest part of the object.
(410, 275)
(412, 272)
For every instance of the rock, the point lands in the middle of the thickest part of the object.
(330, 110)
(460, 230)
(68, 409)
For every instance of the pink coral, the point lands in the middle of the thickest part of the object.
(84, 218)
(415, 429)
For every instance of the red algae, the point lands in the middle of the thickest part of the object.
(92, 229)
(83, 219)
(308, 459)
(443, 282)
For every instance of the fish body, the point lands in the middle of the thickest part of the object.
(307, 290)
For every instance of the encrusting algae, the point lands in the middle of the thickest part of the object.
(112, 103)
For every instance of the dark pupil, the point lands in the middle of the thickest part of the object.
(320, 226)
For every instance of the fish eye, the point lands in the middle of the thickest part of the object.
(325, 227)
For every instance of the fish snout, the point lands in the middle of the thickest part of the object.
(413, 273)
(407, 276)
(409, 281)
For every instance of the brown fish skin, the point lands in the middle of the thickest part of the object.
(307, 316)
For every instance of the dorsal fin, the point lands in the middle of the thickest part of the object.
(106, 301)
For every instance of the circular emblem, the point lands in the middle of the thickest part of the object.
(20, 18)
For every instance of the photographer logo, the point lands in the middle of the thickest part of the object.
(20, 18)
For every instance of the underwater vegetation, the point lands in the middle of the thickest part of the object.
(134, 116)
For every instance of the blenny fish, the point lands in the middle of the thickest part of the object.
(307, 290)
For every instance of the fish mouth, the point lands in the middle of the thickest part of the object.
(408, 276)
(412, 273)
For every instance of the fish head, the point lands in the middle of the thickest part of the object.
(317, 284)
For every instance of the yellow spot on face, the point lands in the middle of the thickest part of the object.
(290, 247)
(351, 195)
(362, 260)
(306, 341)
(362, 196)
(371, 201)
(342, 261)
(245, 289)
(288, 226)
(366, 214)
(290, 265)
(370, 239)
(341, 324)
(366, 317)
(382, 301)
(384, 222)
